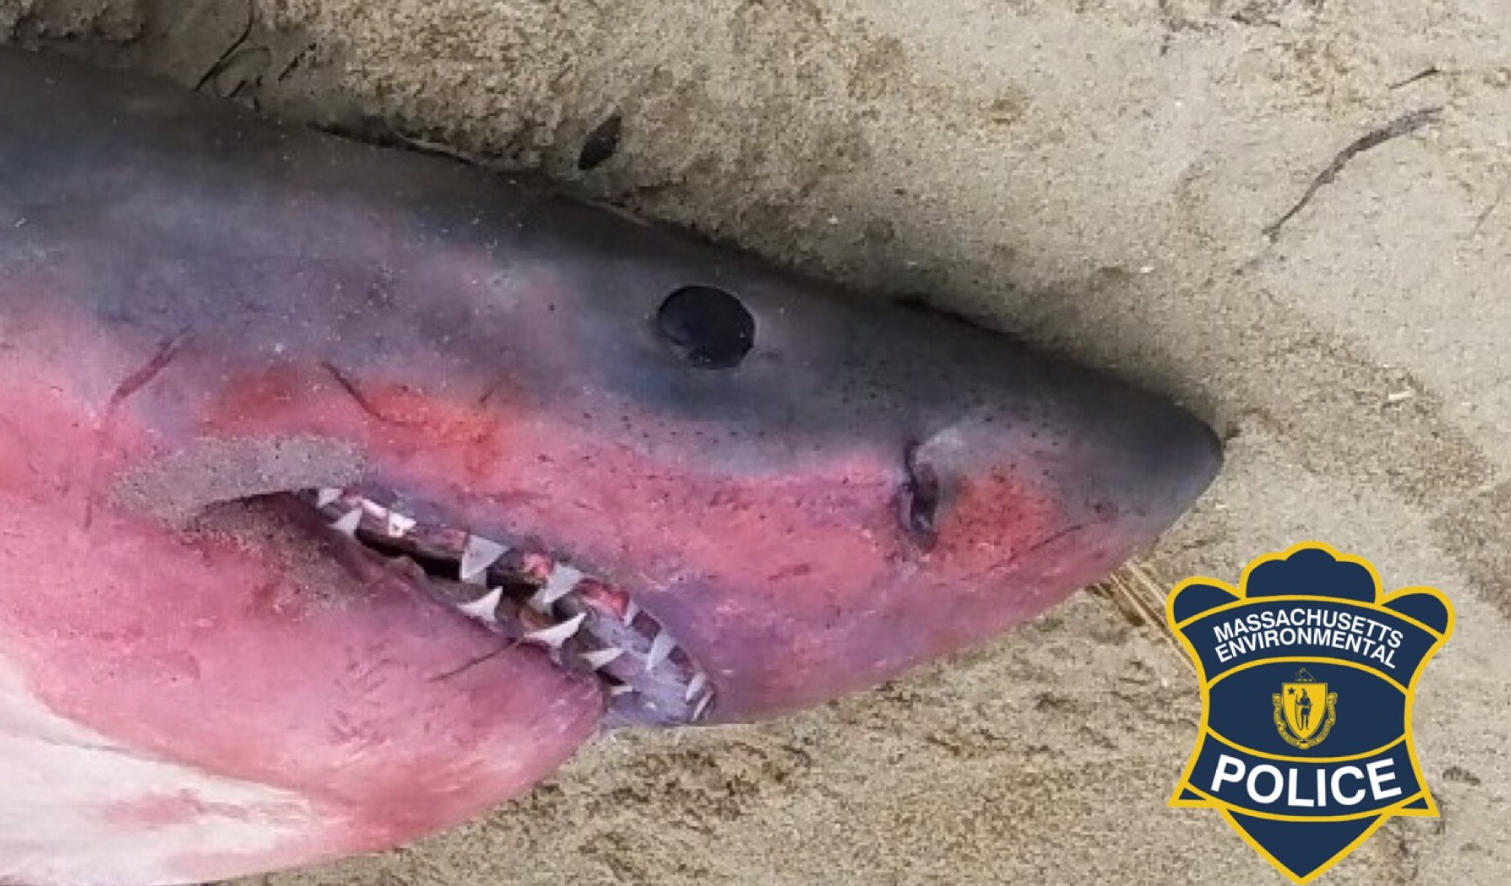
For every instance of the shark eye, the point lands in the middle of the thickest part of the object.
(705, 327)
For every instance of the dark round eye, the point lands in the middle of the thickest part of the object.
(706, 327)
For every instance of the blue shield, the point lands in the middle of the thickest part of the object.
(1308, 672)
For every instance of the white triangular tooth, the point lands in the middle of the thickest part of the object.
(620, 689)
(399, 525)
(484, 608)
(557, 634)
(563, 579)
(600, 658)
(327, 496)
(630, 611)
(661, 649)
(695, 686)
(702, 706)
(348, 523)
(478, 555)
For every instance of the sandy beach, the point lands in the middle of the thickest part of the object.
(1102, 177)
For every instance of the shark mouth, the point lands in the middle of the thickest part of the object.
(585, 622)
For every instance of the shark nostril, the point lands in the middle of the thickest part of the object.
(920, 500)
(706, 327)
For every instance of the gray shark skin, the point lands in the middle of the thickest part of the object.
(345, 491)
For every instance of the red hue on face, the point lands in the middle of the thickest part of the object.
(227, 695)
(199, 309)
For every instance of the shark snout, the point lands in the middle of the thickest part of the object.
(1014, 498)
(1110, 454)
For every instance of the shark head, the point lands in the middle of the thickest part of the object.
(347, 491)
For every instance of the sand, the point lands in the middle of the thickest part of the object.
(1096, 175)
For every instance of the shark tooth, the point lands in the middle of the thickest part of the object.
(484, 608)
(563, 579)
(477, 556)
(694, 686)
(348, 523)
(661, 649)
(558, 634)
(327, 496)
(399, 525)
(600, 658)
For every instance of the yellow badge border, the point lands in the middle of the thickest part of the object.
(1203, 730)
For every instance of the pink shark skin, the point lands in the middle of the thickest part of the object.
(200, 310)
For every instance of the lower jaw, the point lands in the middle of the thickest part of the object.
(529, 597)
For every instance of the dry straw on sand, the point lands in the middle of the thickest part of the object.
(1140, 596)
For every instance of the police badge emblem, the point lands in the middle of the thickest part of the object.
(1294, 707)
(1308, 673)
